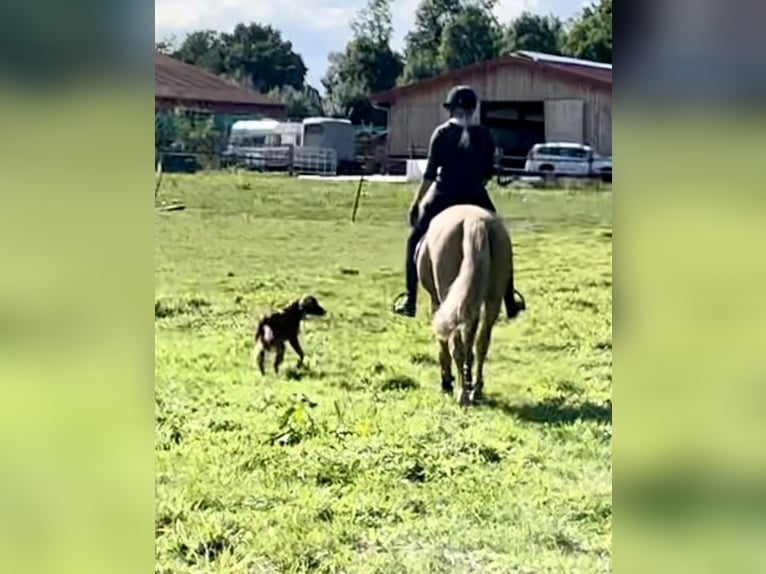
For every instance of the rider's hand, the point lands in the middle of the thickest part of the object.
(414, 213)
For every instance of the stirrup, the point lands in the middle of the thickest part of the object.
(399, 299)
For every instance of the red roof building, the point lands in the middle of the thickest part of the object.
(526, 98)
(177, 84)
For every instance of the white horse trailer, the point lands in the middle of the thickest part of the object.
(290, 133)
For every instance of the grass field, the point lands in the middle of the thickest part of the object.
(357, 463)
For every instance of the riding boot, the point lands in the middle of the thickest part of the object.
(407, 306)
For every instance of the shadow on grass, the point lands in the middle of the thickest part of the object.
(552, 411)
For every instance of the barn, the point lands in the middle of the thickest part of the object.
(526, 98)
(181, 85)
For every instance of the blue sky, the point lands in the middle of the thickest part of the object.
(315, 27)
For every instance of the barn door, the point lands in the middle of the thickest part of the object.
(564, 121)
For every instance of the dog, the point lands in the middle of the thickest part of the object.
(275, 329)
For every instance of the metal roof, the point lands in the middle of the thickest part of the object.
(177, 80)
(541, 57)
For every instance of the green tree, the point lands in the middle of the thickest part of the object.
(253, 54)
(590, 34)
(258, 56)
(367, 65)
(449, 34)
(299, 104)
(534, 33)
(204, 48)
(374, 22)
(164, 47)
(184, 131)
(470, 37)
(422, 58)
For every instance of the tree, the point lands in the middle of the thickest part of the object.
(164, 46)
(590, 34)
(257, 55)
(423, 43)
(180, 130)
(534, 33)
(449, 34)
(367, 65)
(374, 22)
(299, 104)
(204, 48)
(252, 54)
(470, 37)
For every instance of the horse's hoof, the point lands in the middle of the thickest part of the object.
(465, 399)
(448, 389)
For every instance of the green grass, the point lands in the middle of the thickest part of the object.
(357, 463)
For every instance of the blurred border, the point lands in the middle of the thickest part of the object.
(76, 331)
(690, 277)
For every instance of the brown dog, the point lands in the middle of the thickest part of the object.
(274, 329)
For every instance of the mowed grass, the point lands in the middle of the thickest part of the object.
(356, 463)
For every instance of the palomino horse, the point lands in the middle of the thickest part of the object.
(464, 263)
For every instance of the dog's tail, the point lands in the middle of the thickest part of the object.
(259, 329)
(263, 332)
(467, 293)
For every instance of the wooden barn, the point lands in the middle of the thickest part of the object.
(177, 84)
(526, 98)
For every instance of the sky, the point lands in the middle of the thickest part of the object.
(315, 27)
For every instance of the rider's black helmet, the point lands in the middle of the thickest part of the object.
(462, 97)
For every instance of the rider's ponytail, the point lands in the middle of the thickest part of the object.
(462, 119)
(465, 137)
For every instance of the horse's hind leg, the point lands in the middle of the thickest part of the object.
(458, 354)
(491, 312)
(445, 360)
(469, 336)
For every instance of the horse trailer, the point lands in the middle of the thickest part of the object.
(332, 133)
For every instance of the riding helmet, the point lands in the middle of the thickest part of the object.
(462, 97)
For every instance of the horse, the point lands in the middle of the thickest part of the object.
(464, 263)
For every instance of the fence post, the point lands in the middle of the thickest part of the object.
(291, 160)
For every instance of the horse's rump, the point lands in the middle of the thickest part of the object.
(469, 252)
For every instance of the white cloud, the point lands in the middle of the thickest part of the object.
(315, 27)
(507, 10)
(181, 16)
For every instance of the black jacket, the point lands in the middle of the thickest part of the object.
(460, 172)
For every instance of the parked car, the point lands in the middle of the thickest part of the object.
(568, 158)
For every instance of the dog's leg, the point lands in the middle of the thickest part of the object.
(280, 356)
(260, 358)
(259, 353)
(297, 348)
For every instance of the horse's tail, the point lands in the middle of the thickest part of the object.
(467, 292)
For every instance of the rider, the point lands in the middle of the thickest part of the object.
(463, 154)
